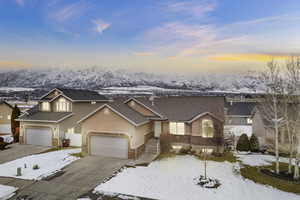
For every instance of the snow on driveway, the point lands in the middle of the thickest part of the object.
(173, 179)
(7, 191)
(49, 163)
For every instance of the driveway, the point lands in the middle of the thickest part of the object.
(80, 177)
(15, 151)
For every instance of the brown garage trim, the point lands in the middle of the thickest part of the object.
(54, 140)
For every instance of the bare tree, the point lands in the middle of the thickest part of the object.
(270, 108)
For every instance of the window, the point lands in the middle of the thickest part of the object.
(93, 102)
(249, 121)
(207, 128)
(176, 128)
(62, 105)
(8, 117)
(45, 106)
(70, 130)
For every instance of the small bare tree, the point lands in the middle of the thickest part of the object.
(270, 108)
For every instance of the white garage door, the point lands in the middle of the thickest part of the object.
(116, 147)
(39, 136)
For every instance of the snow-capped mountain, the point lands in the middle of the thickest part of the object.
(99, 78)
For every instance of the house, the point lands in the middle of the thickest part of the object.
(239, 118)
(265, 132)
(55, 117)
(122, 127)
(5, 118)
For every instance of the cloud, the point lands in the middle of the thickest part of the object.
(100, 25)
(13, 64)
(68, 12)
(197, 8)
(144, 53)
(20, 2)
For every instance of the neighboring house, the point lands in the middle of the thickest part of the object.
(264, 130)
(56, 115)
(5, 118)
(239, 118)
(122, 127)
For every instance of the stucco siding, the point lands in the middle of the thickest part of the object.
(5, 110)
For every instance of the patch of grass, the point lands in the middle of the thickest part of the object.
(57, 149)
(254, 174)
(79, 155)
(226, 156)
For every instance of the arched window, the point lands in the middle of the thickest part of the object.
(207, 128)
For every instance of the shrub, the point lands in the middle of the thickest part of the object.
(35, 167)
(243, 143)
(254, 144)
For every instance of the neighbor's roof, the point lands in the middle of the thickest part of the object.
(4, 102)
(186, 108)
(45, 116)
(240, 108)
(79, 94)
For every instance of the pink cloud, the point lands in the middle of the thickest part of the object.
(100, 25)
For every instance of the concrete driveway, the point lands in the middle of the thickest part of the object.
(15, 151)
(80, 177)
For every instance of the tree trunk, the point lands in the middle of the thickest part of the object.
(276, 134)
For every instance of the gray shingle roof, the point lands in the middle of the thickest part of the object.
(129, 113)
(80, 95)
(185, 108)
(45, 116)
(240, 108)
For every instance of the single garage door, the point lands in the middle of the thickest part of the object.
(39, 136)
(109, 146)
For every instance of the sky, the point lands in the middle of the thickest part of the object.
(163, 36)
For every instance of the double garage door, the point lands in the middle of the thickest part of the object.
(109, 146)
(39, 136)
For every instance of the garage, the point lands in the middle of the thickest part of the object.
(39, 136)
(109, 146)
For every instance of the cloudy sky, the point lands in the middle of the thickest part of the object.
(148, 35)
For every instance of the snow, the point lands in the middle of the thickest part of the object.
(15, 89)
(7, 138)
(7, 191)
(173, 179)
(49, 164)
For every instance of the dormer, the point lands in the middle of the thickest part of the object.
(62, 104)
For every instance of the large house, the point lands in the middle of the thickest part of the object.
(123, 126)
(5, 118)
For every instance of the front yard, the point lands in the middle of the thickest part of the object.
(7, 191)
(38, 166)
(174, 178)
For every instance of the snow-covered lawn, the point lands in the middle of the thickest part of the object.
(49, 163)
(259, 159)
(173, 179)
(7, 191)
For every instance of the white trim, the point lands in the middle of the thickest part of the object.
(60, 95)
(202, 114)
(51, 121)
(50, 92)
(106, 105)
(137, 101)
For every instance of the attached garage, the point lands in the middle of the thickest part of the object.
(39, 136)
(109, 146)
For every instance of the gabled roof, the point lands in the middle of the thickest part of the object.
(53, 117)
(122, 110)
(185, 108)
(240, 108)
(78, 95)
(4, 102)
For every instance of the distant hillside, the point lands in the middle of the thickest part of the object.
(95, 79)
